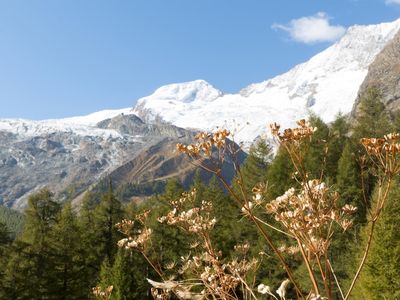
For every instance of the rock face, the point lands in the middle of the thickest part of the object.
(69, 155)
(384, 76)
(68, 161)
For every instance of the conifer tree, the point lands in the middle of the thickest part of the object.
(228, 230)
(279, 174)
(198, 184)
(254, 168)
(381, 276)
(4, 246)
(337, 140)
(108, 213)
(68, 257)
(372, 119)
(29, 273)
(349, 182)
(316, 150)
(89, 241)
(129, 276)
(168, 241)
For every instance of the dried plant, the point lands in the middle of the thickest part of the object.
(384, 155)
(206, 273)
(101, 293)
(308, 214)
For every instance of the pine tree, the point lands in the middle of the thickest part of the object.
(381, 276)
(5, 238)
(99, 236)
(338, 138)
(4, 246)
(68, 257)
(29, 273)
(372, 119)
(228, 231)
(254, 168)
(41, 215)
(108, 213)
(128, 277)
(168, 241)
(349, 182)
(89, 240)
(279, 174)
(316, 150)
(173, 189)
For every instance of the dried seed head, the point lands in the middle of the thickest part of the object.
(303, 131)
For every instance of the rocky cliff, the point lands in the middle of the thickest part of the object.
(68, 161)
(384, 76)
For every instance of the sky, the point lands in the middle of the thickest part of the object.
(72, 57)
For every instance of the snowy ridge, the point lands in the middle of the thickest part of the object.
(82, 125)
(326, 85)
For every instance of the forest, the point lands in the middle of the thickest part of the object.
(315, 220)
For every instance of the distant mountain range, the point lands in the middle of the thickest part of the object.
(326, 85)
(137, 144)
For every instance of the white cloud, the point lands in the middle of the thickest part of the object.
(388, 2)
(313, 29)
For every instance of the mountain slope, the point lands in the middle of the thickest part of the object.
(384, 76)
(69, 155)
(326, 84)
(70, 158)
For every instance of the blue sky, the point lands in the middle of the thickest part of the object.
(71, 57)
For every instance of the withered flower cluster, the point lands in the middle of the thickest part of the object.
(303, 131)
(195, 219)
(212, 278)
(384, 152)
(203, 266)
(136, 238)
(308, 214)
(101, 293)
(205, 144)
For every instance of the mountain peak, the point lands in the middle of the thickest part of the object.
(197, 90)
(326, 84)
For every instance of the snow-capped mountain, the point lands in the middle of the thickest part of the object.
(326, 85)
(69, 157)
(70, 154)
(82, 125)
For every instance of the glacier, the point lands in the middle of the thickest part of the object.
(327, 84)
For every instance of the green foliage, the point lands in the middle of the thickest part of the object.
(108, 213)
(229, 229)
(279, 174)
(40, 215)
(372, 119)
(349, 182)
(13, 219)
(337, 140)
(381, 277)
(29, 272)
(317, 148)
(128, 190)
(127, 275)
(62, 255)
(68, 257)
(254, 168)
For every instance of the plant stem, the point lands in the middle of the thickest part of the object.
(370, 236)
(309, 269)
(334, 275)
